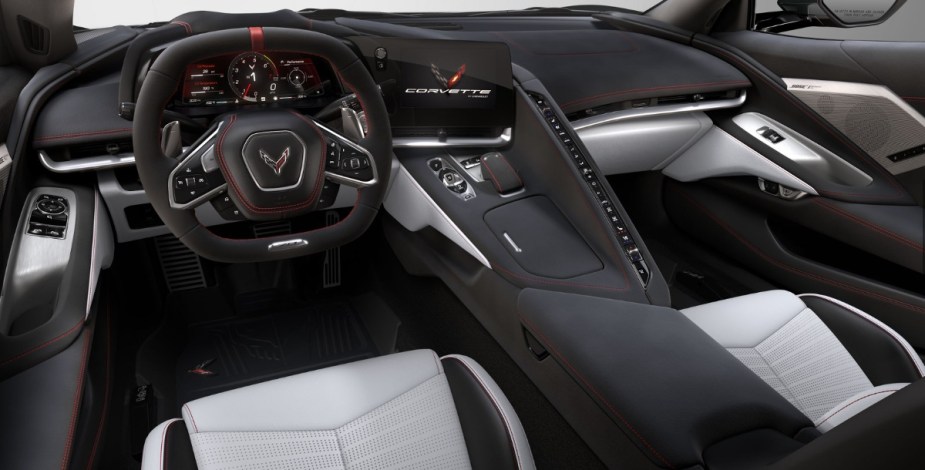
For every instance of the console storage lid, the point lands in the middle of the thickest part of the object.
(668, 386)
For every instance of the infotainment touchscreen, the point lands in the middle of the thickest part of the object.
(445, 84)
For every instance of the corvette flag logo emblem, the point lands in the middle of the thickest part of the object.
(278, 164)
(448, 83)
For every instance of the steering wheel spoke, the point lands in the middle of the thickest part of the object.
(261, 162)
(346, 162)
(196, 178)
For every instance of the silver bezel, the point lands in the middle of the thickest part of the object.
(247, 161)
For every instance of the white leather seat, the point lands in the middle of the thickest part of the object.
(409, 410)
(829, 359)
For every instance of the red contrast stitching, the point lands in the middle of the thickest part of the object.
(164, 444)
(247, 203)
(822, 124)
(186, 26)
(75, 408)
(43, 345)
(594, 390)
(193, 419)
(666, 87)
(797, 271)
(324, 150)
(629, 39)
(82, 134)
(853, 402)
(899, 238)
(492, 175)
(866, 317)
(495, 405)
(540, 280)
(106, 389)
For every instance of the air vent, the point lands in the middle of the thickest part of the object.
(453, 132)
(653, 102)
(34, 36)
(95, 149)
(90, 150)
(182, 268)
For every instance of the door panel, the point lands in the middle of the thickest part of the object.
(866, 250)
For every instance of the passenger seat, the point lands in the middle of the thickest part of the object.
(829, 359)
(411, 409)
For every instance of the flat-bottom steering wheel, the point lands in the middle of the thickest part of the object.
(272, 162)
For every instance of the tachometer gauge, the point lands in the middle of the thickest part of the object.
(253, 77)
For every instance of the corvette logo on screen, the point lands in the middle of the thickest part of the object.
(277, 164)
(448, 85)
(451, 82)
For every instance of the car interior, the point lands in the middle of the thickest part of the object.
(572, 237)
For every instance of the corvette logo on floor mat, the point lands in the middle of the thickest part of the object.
(200, 369)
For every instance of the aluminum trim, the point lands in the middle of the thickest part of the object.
(188, 156)
(414, 209)
(623, 115)
(102, 162)
(287, 245)
(345, 179)
(803, 151)
(451, 142)
(247, 161)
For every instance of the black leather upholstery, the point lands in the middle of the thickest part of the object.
(882, 358)
(261, 191)
(668, 386)
(886, 435)
(487, 437)
(178, 450)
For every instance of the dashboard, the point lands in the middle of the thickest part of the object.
(256, 77)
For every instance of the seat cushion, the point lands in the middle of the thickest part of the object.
(783, 341)
(391, 411)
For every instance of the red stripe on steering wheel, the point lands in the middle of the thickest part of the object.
(256, 38)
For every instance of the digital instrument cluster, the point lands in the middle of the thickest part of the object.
(255, 77)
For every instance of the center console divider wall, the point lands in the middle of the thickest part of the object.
(576, 197)
(634, 360)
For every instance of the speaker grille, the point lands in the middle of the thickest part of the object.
(871, 116)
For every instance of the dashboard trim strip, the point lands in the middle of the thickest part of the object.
(102, 162)
(435, 143)
(623, 115)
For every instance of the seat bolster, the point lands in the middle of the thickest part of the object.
(856, 404)
(168, 447)
(746, 321)
(883, 355)
(319, 400)
(494, 435)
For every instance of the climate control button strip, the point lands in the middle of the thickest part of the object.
(595, 183)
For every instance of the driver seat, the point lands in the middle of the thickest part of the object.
(410, 409)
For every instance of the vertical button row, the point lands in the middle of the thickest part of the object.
(594, 183)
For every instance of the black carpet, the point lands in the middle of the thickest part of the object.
(226, 354)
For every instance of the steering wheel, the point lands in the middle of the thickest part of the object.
(271, 162)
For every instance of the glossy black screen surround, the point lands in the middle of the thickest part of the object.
(447, 85)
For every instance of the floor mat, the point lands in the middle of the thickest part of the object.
(226, 354)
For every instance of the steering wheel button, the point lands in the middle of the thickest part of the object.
(208, 161)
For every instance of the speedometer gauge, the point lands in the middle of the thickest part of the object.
(253, 77)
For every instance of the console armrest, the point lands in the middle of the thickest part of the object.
(668, 386)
